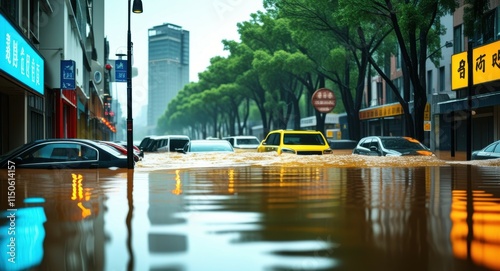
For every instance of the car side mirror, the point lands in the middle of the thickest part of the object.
(374, 148)
(263, 142)
(17, 160)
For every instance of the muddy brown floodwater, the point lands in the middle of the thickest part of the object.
(254, 211)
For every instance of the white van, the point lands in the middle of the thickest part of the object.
(243, 142)
(170, 143)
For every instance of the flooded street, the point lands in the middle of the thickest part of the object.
(254, 211)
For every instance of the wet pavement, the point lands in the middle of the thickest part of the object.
(252, 211)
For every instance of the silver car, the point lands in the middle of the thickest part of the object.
(390, 146)
(491, 151)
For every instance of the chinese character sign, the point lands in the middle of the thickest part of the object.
(486, 66)
(19, 59)
(323, 100)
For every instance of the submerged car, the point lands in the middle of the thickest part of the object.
(64, 153)
(296, 142)
(171, 143)
(164, 143)
(390, 146)
(207, 145)
(122, 149)
(136, 149)
(145, 142)
(243, 142)
(491, 151)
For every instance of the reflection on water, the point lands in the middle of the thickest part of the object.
(255, 211)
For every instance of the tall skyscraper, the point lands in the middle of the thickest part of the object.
(168, 66)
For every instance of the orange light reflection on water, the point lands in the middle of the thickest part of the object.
(485, 243)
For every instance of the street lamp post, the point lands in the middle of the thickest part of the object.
(136, 8)
(447, 44)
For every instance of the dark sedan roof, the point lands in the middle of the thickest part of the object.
(108, 157)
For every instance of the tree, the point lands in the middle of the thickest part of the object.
(339, 50)
(271, 41)
(474, 10)
(416, 24)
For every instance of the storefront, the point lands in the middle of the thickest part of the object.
(383, 120)
(450, 121)
(22, 90)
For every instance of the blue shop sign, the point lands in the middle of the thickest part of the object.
(68, 78)
(19, 59)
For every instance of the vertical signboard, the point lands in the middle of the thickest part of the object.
(68, 80)
(19, 59)
(120, 70)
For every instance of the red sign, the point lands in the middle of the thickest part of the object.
(324, 100)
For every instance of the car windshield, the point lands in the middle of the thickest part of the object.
(109, 149)
(204, 147)
(303, 139)
(9, 153)
(248, 141)
(402, 144)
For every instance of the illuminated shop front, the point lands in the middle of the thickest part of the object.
(22, 90)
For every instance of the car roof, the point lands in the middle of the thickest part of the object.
(295, 131)
(209, 141)
(170, 136)
(383, 137)
(64, 139)
(240, 136)
(49, 140)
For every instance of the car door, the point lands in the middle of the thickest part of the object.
(272, 142)
(59, 155)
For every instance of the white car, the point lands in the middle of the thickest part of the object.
(243, 142)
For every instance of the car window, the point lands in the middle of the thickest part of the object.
(497, 149)
(58, 152)
(303, 139)
(144, 143)
(375, 143)
(247, 141)
(491, 148)
(366, 143)
(210, 147)
(177, 144)
(110, 149)
(401, 144)
(273, 139)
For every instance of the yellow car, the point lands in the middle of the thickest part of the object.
(295, 142)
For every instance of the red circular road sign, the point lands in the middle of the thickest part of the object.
(324, 100)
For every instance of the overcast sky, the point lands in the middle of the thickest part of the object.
(208, 23)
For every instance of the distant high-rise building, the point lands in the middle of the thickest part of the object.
(168, 66)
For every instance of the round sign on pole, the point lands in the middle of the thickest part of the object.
(324, 100)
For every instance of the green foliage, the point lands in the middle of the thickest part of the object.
(291, 48)
(473, 11)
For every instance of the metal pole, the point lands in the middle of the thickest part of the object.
(130, 122)
(469, 101)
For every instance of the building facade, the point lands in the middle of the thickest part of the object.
(483, 93)
(448, 91)
(51, 72)
(168, 68)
